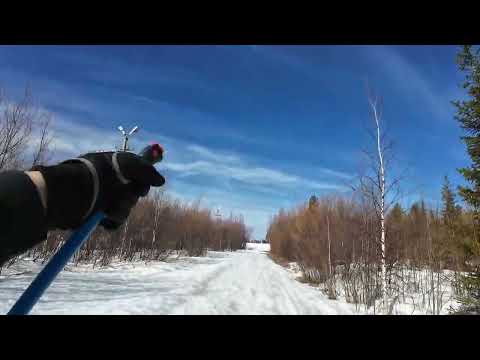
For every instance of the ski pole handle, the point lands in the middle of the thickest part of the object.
(153, 154)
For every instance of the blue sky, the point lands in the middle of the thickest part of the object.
(251, 129)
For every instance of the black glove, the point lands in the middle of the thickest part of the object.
(110, 182)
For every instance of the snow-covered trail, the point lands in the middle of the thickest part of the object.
(244, 282)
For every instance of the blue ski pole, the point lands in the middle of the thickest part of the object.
(56, 264)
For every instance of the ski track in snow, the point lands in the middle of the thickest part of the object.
(243, 282)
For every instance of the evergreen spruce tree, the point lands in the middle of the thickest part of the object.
(397, 212)
(395, 226)
(449, 208)
(468, 115)
(450, 242)
(313, 202)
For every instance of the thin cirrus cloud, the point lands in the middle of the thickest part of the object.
(102, 70)
(409, 79)
(403, 74)
(73, 139)
(215, 156)
(232, 166)
(338, 174)
(249, 175)
(292, 61)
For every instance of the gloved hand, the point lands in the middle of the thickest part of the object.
(111, 182)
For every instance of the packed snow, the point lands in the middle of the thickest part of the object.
(242, 282)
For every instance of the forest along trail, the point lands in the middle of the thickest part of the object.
(242, 282)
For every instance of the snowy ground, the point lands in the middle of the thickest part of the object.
(258, 247)
(244, 282)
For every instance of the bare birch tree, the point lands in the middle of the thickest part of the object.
(377, 185)
(331, 276)
(381, 187)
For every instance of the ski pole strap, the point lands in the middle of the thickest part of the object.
(56, 264)
(95, 181)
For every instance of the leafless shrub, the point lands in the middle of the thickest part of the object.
(416, 264)
(19, 123)
(157, 227)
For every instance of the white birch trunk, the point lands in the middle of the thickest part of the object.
(331, 280)
(382, 202)
(329, 253)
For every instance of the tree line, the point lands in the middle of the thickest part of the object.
(371, 246)
(335, 241)
(157, 228)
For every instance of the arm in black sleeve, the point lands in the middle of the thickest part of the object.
(22, 216)
(109, 182)
(24, 222)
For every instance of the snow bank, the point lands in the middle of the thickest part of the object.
(418, 292)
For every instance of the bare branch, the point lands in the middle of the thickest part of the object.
(43, 153)
(17, 123)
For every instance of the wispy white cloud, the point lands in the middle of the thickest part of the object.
(100, 69)
(405, 75)
(336, 173)
(249, 175)
(410, 80)
(215, 156)
(73, 139)
(142, 98)
(288, 59)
